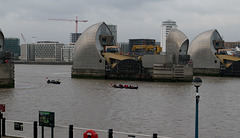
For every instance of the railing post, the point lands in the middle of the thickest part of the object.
(52, 132)
(3, 126)
(154, 135)
(35, 130)
(70, 131)
(110, 133)
(42, 131)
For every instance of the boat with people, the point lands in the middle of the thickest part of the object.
(54, 81)
(124, 86)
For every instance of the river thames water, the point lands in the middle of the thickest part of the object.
(167, 109)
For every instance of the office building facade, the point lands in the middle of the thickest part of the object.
(42, 51)
(74, 37)
(113, 29)
(13, 46)
(67, 53)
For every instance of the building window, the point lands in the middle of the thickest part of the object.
(104, 40)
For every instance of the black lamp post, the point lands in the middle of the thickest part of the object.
(197, 82)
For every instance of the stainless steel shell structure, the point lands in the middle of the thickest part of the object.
(1, 41)
(176, 44)
(202, 53)
(6, 67)
(88, 61)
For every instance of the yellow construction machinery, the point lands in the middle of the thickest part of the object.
(112, 55)
(227, 60)
(146, 49)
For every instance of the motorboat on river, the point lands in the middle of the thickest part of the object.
(54, 81)
(124, 86)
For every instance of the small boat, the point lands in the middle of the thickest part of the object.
(124, 86)
(54, 81)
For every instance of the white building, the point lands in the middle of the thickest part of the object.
(124, 47)
(67, 53)
(42, 51)
(27, 52)
(166, 28)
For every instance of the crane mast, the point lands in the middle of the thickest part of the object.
(23, 38)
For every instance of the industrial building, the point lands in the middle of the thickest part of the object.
(203, 50)
(210, 57)
(91, 58)
(165, 29)
(177, 45)
(74, 36)
(87, 54)
(174, 64)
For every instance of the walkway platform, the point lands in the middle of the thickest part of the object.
(10, 137)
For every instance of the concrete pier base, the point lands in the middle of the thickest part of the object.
(7, 75)
(88, 73)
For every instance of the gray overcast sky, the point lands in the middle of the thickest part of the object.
(134, 18)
